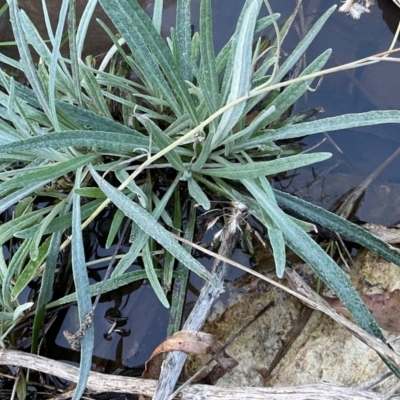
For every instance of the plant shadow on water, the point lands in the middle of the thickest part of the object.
(140, 319)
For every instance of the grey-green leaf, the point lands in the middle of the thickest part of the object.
(81, 281)
(152, 276)
(151, 227)
(110, 141)
(254, 170)
(48, 173)
(198, 194)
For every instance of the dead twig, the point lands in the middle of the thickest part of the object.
(222, 348)
(101, 383)
(174, 361)
(298, 327)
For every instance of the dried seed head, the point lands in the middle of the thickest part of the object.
(355, 8)
(236, 217)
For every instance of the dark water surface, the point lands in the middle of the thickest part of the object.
(376, 87)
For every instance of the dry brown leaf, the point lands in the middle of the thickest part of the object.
(384, 307)
(191, 342)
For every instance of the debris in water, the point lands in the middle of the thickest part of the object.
(355, 8)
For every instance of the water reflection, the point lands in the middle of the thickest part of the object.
(390, 14)
(374, 87)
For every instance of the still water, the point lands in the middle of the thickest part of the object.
(376, 87)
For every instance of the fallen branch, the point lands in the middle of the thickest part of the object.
(173, 364)
(100, 383)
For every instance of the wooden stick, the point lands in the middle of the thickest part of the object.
(100, 383)
(173, 364)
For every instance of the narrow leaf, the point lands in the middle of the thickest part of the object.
(81, 281)
(300, 49)
(242, 72)
(47, 174)
(46, 284)
(115, 226)
(254, 170)
(8, 229)
(151, 227)
(198, 194)
(157, 14)
(109, 285)
(110, 141)
(152, 277)
(140, 237)
(34, 249)
(30, 270)
(339, 225)
(183, 34)
(59, 224)
(208, 64)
